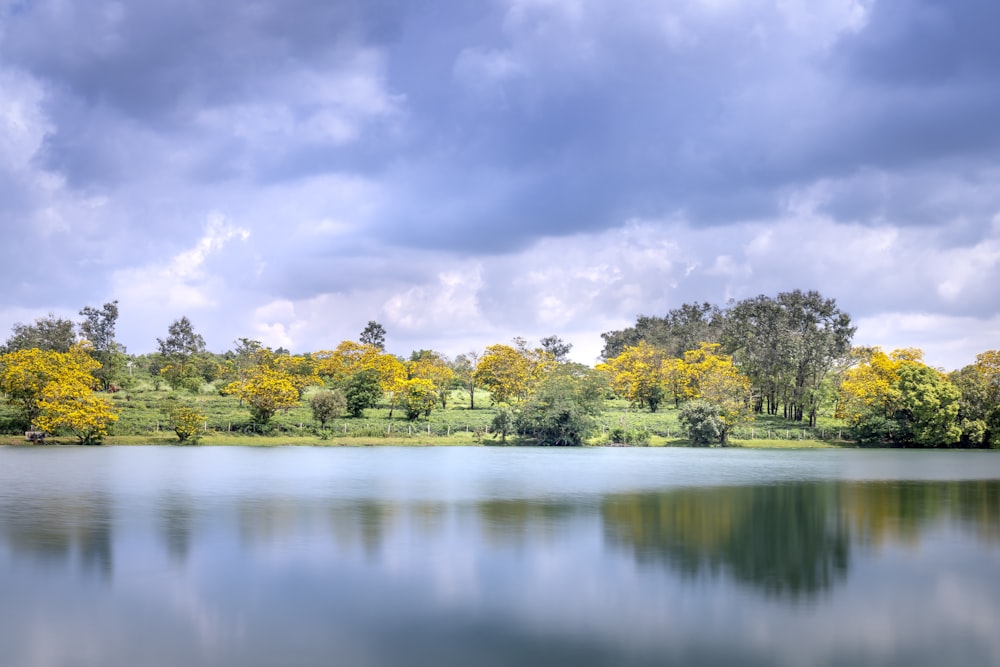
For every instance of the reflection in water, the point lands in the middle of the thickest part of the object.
(176, 513)
(786, 539)
(55, 529)
(261, 570)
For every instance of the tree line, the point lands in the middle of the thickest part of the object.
(790, 355)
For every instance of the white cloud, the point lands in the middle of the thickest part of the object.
(184, 282)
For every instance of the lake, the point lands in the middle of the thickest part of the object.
(497, 556)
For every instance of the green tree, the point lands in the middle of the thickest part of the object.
(327, 405)
(362, 390)
(373, 334)
(703, 423)
(556, 347)
(464, 367)
(563, 408)
(47, 333)
(929, 406)
(98, 327)
(178, 350)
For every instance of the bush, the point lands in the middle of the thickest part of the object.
(327, 405)
(702, 422)
(620, 435)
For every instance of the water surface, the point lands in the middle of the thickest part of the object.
(497, 556)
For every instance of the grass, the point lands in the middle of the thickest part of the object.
(143, 420)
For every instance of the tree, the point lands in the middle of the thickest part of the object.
(265, 390)
(71, 404)
(556, 347)
(929, 406)
(562, 409)
(465, 366)
(181, 340)
(637, 374)
(681, 329)
(98, 327)
(702, 422)
(979, 403)
(787, 346)
(186, 421)
(433, 367)
(362, 390)
(55, 389)
(503, 422)
(47, 333)
(373, 334)
(418, 397)
(178, 350)
(509, 372)
(327, 405)
(715, 387)
(899, 399)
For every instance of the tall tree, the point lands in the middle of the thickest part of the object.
(557, 347)
(98, 327)
(680, 330)
(178, 350)
(787, 346)
(465, 366)
(47, 333)
(373, 334)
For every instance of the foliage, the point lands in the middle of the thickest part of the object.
(98, 327)
(265, 390)
(327, 405)
(929, 406)
(50, 333)
(187, 422)
(418, 397)
(703, 423)
(899, 399)
(510, 372)
(562, 410)
(637, 375)
(556, 348)
(433, 367)
(362, 390)
(25, 375)
(681, 329)
(464, 367)
(69, 403)
(503, 422)
(373, 334)
(624, 435)
(178, 351)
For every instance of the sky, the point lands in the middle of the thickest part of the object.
(466, 172)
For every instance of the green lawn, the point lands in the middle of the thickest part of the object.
(143, 420)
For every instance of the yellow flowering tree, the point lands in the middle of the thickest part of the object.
(55, 389)
(637, 374)
(69, 403)
(510, 372)
(417, 397)
(265, 390)
(187, 422)
(433, 367)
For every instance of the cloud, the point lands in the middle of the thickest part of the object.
(477, 171)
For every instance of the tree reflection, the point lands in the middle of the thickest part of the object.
(787, 539)
(55, 528)
(792, 540)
